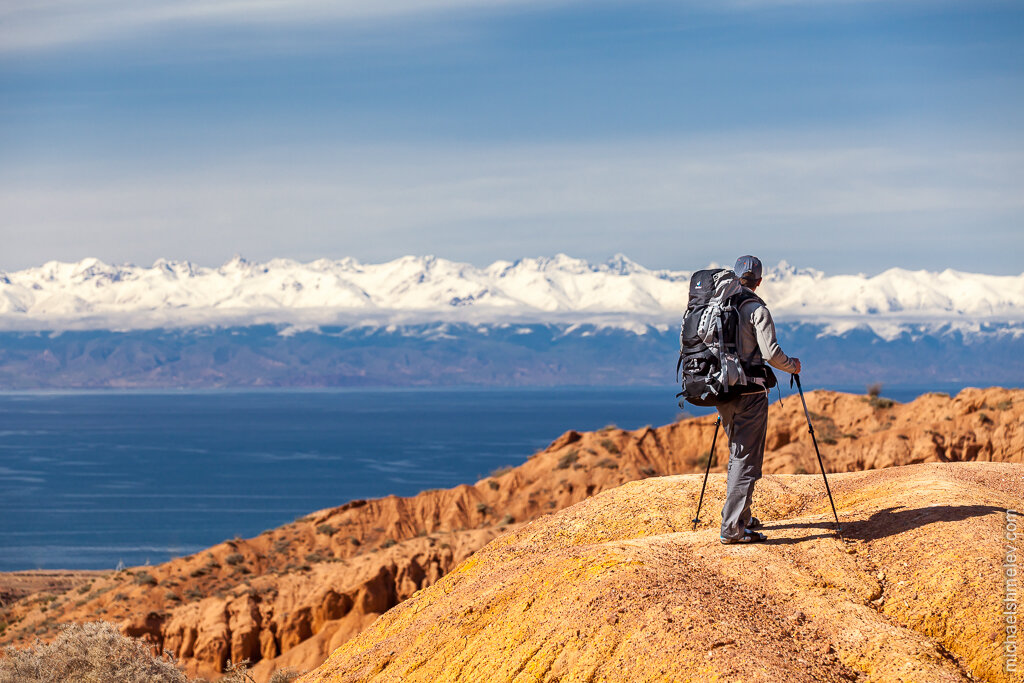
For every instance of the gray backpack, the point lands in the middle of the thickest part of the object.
(709, 365)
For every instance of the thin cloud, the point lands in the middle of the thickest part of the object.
(499, 200)
(27, 25)
(33, 25)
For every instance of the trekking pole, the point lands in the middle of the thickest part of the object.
(711, 454)
(814, 440)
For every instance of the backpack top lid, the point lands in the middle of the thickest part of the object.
(706, 284)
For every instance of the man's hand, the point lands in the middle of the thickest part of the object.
(796, 362)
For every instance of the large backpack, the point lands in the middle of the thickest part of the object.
(712, 371)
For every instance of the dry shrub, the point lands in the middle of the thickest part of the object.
(95, 652)
(702, 461)
(879, 402)
(568, 459)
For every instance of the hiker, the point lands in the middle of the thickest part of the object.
(745, 418)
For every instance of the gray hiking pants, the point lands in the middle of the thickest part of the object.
(746, 422)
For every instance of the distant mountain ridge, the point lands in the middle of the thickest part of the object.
(425, 321)
(94, 295)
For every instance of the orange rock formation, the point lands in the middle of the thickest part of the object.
(291, 595)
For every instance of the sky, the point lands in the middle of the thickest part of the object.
(849, 136)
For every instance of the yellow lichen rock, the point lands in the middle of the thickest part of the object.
(618, 588)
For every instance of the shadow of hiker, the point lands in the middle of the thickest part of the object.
(888, 522)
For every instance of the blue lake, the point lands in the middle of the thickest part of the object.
(91, 479)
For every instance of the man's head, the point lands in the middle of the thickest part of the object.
(748, 269)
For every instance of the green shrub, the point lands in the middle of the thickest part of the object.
(648, 471)
(881, 403)
(494, 485)
(506, 520)
(326, 529)
(610, 446)
(388, 542)
(504, 469)
(609, 463)
(483, 508)
(234, 559)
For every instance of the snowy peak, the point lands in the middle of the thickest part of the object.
(93, 294)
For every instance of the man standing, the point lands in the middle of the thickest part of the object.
(746, 418)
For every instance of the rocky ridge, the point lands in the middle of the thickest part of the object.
(291, 595)
(618, 588)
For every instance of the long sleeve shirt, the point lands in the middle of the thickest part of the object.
(757, 337)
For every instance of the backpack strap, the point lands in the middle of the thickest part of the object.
(744, 297)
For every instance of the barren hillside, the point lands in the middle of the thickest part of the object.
(618, 588)
(291, 595)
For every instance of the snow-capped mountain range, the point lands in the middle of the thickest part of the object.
(91, 294)
(424, 321)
